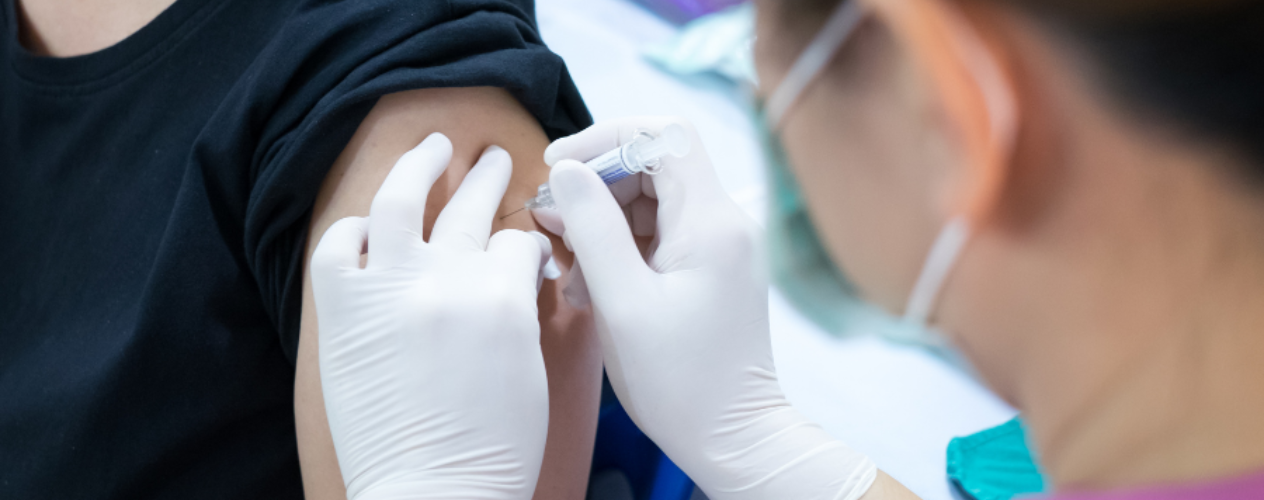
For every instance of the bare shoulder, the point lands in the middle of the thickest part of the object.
(473, 118)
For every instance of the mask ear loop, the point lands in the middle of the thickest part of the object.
(939, 263)
(840, 26)
(1002, 129)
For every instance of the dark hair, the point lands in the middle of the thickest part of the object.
(1195, 65)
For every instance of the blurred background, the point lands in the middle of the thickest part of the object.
(692, 58)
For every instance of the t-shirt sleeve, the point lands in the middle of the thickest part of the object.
(323, 72)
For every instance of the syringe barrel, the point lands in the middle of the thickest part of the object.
(612, 167)
(615, 165)
(640, 155)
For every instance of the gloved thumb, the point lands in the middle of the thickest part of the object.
(339, 249)
(596, 230)
(525, 255)
(550, 220)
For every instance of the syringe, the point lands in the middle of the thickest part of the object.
(643, 154)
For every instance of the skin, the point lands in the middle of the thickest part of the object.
(66, 28)
(1111, 286)
(473, 118)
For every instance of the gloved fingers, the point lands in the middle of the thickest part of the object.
(596, 229)
(693, 173)
(625, 191)
(339, 248)
(643, 214)
(549, 271)
(647, 186)
(523, 255)
(593, 142)
(550, 219)
(602, 137)
(466, 222)
(576, 290)
(398, 210)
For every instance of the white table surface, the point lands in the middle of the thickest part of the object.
(898, 405)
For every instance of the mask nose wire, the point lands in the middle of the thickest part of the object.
(838, 28)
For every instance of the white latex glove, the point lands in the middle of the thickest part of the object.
(430, 357)
(685, 330)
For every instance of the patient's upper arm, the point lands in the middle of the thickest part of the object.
(473, 118)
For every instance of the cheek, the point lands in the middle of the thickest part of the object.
(769, 66)
(856, 163)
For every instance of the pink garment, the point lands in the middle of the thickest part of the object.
(1243, 488)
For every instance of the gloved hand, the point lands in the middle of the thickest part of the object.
(685, 328)
(430, 357)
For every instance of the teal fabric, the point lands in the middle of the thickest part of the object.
(996, 464)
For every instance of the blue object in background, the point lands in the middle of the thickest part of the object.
(621, 446)
(683, 11)
(996, 464)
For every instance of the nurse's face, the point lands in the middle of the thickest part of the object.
(865, 143)
(883, 169)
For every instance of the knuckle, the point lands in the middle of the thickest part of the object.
(515, 240)
(507, 235)
(516, 237)
(466, 239)
(494, 304)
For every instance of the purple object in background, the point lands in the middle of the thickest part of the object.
(683, 11)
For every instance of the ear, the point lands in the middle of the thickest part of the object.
(975, 89)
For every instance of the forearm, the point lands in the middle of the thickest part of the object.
(886, 487)
(777, 453)
(572, 357)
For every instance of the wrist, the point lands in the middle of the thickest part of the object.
(446, 489)
(781, 454)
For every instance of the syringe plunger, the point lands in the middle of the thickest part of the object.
(672, 141)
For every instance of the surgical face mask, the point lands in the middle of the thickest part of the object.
(801, 264)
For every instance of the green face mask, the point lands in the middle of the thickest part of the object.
(801, 265)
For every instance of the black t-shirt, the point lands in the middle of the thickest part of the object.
(154, 202)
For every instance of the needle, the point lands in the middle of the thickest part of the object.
(513, 212)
